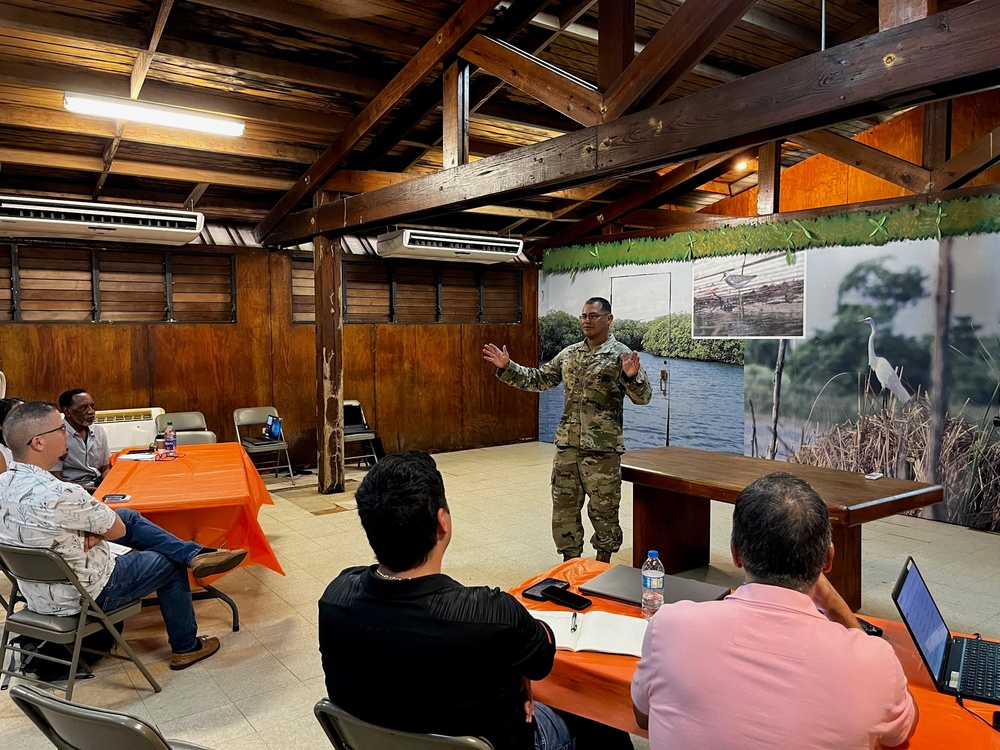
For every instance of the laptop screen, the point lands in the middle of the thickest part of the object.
(273, 428)
(922, 617)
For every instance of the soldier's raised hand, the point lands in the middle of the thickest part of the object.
(630, 365)
(497, 357)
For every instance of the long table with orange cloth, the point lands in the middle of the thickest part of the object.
(598, 686)
(210, 494)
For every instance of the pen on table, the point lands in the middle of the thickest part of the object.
(572, 624)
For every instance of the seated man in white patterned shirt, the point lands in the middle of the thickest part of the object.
(38, 510)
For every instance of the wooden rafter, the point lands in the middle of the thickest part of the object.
(965, 165)
(949, 54)
(543, 81)
(195, 195)
(684, 40)
(145, 57)
(936, 144)
(445, 43)
(769, 177)
(871, 160)
(681, 179)
(892, 13)
(455, 111)
(108, 157)
(615, 41)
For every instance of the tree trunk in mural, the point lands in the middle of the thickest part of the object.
(779, 366)
(939, 367)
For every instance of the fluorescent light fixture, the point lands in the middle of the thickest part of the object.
(151, 114)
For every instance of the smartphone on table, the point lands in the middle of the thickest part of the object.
(535, 592)
(116, 497)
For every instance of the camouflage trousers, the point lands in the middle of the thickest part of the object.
(599, 476)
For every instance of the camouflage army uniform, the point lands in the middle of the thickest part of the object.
(589, 440)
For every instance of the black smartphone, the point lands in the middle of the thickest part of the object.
(535, 592)
(117, 498)
(869, 628)
(565, 598)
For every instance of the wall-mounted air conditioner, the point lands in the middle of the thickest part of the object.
(464, 248)
(22, 216)
(127, 428)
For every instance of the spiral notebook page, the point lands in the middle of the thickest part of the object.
(596, 631)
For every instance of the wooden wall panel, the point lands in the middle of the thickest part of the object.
(823, 184)
(972, 118)
(359, 370)
(42, 360)
(901, 136)
(419, 377)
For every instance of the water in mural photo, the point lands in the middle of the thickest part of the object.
(705, 404)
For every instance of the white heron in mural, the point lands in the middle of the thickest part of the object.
(884, 371)
(738, 281)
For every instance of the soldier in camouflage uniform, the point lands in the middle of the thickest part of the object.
(598, 373)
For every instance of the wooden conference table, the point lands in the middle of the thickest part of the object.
(210, 494)
(598, 686)
(673, 487)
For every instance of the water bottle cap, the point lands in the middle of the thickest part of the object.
(170, 424)
(653, 553)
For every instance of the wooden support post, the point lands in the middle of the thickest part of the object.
(769, 178)
(892, 13)
(615, 40)
(939, 361)
(329, 359)
(937, 134)
(455, 115)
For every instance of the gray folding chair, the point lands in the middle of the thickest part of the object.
(47, 567)
(349, 733)
(190, 427)
(255, 444)
(70, 726)
(357, 430)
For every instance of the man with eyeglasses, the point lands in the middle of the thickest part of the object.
(597, 373)
(88, 457)
(37, 510)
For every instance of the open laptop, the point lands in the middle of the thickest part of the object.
(969, 667)
(624, 584)
(272, 432)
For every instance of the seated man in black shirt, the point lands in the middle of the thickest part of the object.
(407, 647)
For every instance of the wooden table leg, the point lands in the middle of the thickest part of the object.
(846, 573)
(675, 525)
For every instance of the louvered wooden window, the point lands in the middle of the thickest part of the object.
(201, 288)
(55, 284)
(303, 290)
(46, 284)
(132, 286)
(367, 293)
(6, 286)
(501, 296)
(428, 293)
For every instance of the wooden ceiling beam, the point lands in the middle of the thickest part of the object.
(672, 53)
(452, 36)
(77, 27)
(660, 218)
(768, 178)
(615, 41)
(317, 20)
(140, 169)
(58, 121)
(540, 80)
(947, 55)
(195, 195)
(145, 57)
(681, 179)
(455, 114)
(936, 142)
(966, 164)
(871, 160)
(892, 13)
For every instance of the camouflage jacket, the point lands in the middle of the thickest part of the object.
(595, 392)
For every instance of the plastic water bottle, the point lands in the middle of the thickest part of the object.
(652, 584)
(170, 440)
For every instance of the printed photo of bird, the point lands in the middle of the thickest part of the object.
(738, 281)
(886, 374)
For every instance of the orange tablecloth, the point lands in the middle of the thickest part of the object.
(597, 686)
(210, 494)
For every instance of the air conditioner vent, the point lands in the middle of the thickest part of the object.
(40, 217)
(467, 248)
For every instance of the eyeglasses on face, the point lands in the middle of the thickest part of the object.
(47, 432)
(592, 316)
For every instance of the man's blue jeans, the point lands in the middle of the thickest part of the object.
(158, 563)
(551, 732)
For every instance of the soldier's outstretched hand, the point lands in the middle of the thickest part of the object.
(630, 364)
(497, 357)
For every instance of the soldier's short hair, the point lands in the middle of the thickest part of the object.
(398, 502)
(605, 305)
(781, 531)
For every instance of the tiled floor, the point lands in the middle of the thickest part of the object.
(257, 693)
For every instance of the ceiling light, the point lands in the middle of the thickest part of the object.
(742, 166)
(151, 114)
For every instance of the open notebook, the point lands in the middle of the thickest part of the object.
(596, 631)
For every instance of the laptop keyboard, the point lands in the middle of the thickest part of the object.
(980, 675)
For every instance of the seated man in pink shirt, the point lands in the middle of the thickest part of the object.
(782, 662)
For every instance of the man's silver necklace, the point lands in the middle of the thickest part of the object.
(387, 577)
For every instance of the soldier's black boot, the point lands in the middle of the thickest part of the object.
(603, 556)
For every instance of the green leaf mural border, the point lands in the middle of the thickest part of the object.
(976, 215)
